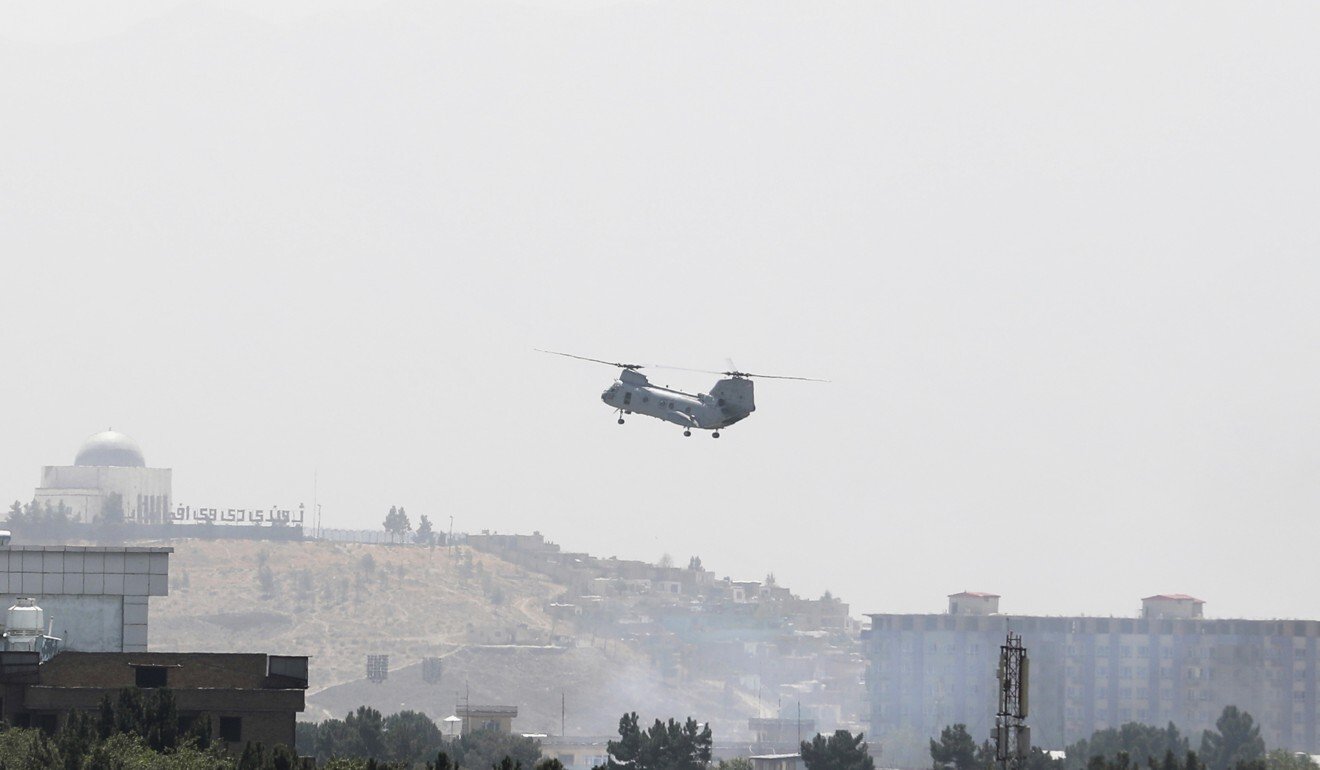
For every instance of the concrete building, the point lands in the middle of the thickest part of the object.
(108, 464)
(577, 753)
(774, 761)
(241, 697)
(779, 737)
(928, 671)
(973, 603)
(1171, 606)
(95, 597)
(499, 718)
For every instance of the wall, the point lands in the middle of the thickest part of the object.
(146, 491)
(97, 595)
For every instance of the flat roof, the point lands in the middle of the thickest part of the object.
(90, 548)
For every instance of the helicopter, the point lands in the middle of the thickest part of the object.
(729, 401)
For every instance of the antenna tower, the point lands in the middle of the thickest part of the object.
(1012, 736)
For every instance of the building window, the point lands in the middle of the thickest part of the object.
(231, 729)
(148, 677)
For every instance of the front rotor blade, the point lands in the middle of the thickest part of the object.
(593, 360)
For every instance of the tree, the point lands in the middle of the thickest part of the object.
(1142, 743)
(405, 525)
(266, 579)
(840, 751)
(112, 510)
(1235, 740)
(955, 747)
(486, 748)
(1282, 759)
(367, 728)
(663, 746)
(410, 737)
(16, 516)
(425, 533)
(396, 523)
(1036, 759)
(737, 763)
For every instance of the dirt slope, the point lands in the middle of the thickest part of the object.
(339, 602)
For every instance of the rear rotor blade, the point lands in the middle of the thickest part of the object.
(593, 360)
(737, 373)
(772, 376)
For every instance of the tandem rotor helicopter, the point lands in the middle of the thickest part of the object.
(729, 400)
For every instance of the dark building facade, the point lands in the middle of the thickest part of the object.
(244, 697)
(1088, 673)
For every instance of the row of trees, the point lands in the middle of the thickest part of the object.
(687, 746)
(399, 525)
(1234, 744)
(410, 739)
(36, 514)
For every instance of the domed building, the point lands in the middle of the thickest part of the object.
(108, 464)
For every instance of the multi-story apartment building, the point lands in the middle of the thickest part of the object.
(1088, 673)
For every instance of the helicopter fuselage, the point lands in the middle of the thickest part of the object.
(729, 401)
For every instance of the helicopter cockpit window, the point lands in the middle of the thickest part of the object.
(627, 397)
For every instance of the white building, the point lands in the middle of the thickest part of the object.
(108, 464)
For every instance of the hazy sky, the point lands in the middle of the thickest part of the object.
(1059, 260)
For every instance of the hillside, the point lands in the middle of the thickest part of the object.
(643, 645)
(338, 602)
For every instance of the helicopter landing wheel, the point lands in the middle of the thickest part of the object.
(687, 433)
(620, 420)
(716, 434)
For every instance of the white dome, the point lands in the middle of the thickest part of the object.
(110, 448)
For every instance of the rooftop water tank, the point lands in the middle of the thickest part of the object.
(25, 618)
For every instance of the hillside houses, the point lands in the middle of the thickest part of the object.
(771, 650)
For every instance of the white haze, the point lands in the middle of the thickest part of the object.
(1060, 261)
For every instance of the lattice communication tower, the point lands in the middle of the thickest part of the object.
(1012, 736)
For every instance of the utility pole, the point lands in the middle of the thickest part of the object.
(1012, 736)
